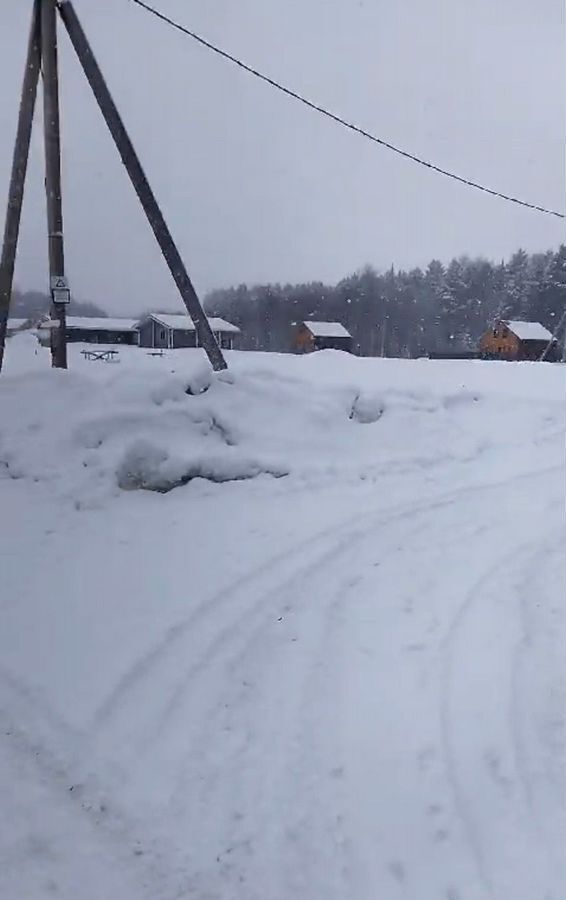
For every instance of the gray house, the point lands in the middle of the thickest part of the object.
(93, 330)
(170, 332)
(13, 326)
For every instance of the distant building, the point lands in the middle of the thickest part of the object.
(312, 336)
(175, 331)
(454, 354)
(93, 330)
(513, 340)
(13, 326)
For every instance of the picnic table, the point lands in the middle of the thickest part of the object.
(104, 355)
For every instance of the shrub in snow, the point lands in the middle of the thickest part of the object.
(367, 409)
(140, 466)
(148, 467)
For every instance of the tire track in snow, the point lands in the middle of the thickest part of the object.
(525, 641)
(261, 715)
(276, 725)
(85, 810)
(145, 668)
(342, 544)
(252, 649)
(525, 645)
(474, 596)
(238, 637)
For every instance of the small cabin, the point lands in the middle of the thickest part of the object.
(514, 340)
(93, 330)
(14, 326)
(172, 332)
(313, 336)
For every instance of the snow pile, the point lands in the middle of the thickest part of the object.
(127, 429)
(160, 423)
(345, 682)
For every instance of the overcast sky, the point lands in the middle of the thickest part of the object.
(257, 188)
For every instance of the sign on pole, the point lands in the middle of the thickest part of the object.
(60, 291)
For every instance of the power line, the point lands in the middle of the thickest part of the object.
(335, 118)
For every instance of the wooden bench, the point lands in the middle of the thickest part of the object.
(104, 355)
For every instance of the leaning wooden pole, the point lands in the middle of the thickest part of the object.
(18, 176)
(146, 196)
(52, 140)
(554, 337)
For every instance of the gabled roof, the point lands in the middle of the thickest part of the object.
(185, 323)
(95, 323)
(327, 329)
(529, 331)
(15, 324)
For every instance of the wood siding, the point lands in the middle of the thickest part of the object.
(501, 343)
(305, 342)
(101, 336)
(181, 339)
(153, 334)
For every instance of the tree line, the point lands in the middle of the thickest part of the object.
(33, 305)
(404, 313)
(393, 313)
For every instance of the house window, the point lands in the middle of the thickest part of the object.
(495, 332)
(162, 334)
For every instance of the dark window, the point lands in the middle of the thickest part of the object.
(162, 335)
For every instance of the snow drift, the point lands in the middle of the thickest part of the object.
(292, 631)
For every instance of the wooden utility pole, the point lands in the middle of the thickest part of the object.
(141, 185)
(383, 334)
(43, 49)
(19, 170)
(52, 139)
(554, 339)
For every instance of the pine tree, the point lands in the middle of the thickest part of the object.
(517, 289)
(405, 313)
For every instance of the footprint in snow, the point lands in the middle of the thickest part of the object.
(397, 871)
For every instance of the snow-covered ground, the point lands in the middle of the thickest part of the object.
(297, 633)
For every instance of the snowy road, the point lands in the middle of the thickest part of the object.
(345, 683)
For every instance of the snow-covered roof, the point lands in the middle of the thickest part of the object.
(529, 331)
(185, 323)
(327, 329)
(14, 324)
(95, 323)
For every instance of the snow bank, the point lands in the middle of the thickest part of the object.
(158, 423)
(346, 682)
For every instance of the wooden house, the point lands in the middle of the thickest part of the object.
(93, 330)
(166, 331)
(312, 336)
(514, 340)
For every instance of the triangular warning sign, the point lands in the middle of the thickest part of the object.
(60, 283)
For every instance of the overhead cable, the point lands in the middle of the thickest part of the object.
(338, 119)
